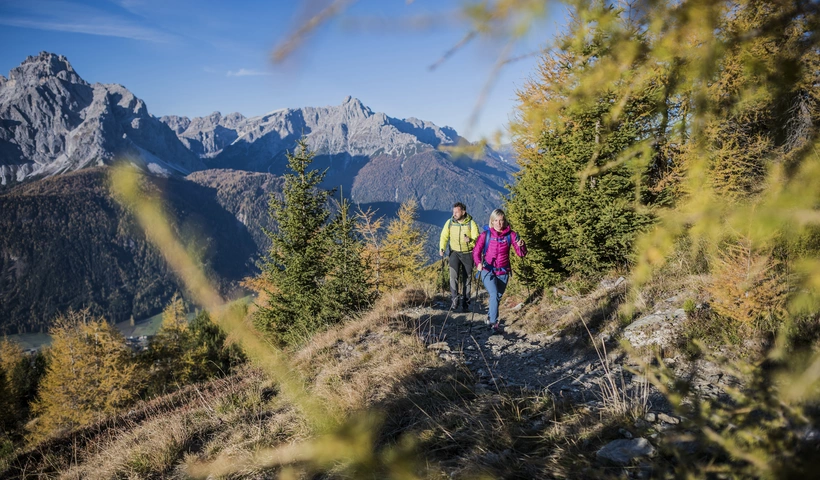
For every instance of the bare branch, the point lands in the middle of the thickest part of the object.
(293, 41)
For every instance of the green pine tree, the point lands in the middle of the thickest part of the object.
(347, 288)
(582, 193)
(294, 267)
(185, 352)
(21, 376)
(207, 353)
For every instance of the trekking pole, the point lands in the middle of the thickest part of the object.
(441, 273)
(475, 298)
(526, 284)
(480, 279)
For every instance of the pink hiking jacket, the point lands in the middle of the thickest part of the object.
(498, 251)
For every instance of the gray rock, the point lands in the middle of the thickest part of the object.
(439, 346)
(623, 452)
(668, 419)
(658, 329)
(206, 136)
(350, 128)
(498, 342)
(650, 417)
(609, 283)
(811, 434)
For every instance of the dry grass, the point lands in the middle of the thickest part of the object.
(374, 369)
(551, 315)
(364, 361)
(148, 439)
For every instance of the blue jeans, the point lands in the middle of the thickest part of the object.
(495, 285)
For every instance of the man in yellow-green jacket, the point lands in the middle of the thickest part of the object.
(460, 233)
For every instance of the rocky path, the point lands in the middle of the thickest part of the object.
(557, 365)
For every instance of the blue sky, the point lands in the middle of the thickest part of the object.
(192, 58)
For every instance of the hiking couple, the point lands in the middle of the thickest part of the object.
(489, 251)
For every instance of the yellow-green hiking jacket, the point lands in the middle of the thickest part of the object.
(453, 232)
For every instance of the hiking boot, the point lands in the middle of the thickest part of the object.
(487, 321)
(496, 328)
(465, 306)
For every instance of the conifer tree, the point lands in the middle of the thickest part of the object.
(294, 265)
(22, 374)
(90, 374)
(369, 228)
(168, 347)
(7, 416)
(207, 353)
(185, 352)
(346, 289)
(581, 196)
(763, 101)
(11, 355)
(403, 248)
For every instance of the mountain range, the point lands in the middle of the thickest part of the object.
(52, 123)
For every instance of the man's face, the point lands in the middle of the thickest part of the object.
(458, 213)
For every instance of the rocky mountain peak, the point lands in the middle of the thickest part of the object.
(43, 66)
(353, 107)
(176, 123)
(231, 120)
(52, 121)
(217, 119)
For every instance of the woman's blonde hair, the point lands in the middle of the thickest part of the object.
(498, 213)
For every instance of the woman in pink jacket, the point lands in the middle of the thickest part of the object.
(491, 255)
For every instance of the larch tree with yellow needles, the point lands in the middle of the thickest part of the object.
(90, 374)
(402, 249)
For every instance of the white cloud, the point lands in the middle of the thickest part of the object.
(247, 72)
(109, 30)
(67, 16)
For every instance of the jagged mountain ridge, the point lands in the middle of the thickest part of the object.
(350, 128)
(205, 136)
(52, 121)
(372, 157)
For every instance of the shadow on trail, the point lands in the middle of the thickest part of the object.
(557, 365)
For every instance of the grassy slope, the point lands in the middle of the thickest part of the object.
(456, 427)
(375, 363)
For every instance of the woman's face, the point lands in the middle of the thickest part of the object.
(498, 223)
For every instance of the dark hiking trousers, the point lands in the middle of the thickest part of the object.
(461, 262)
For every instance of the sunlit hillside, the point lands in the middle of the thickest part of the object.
(646, 303)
